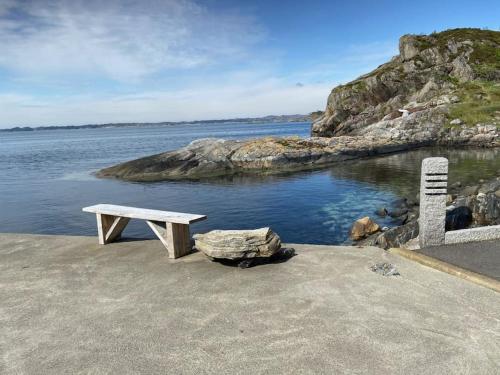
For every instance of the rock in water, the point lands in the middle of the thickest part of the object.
(363, 227)
(382, 212)
(238, 244)
(398, 212)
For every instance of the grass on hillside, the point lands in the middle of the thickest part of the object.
(485, 57)
(472, 34)
(479, 103)
(489, 38)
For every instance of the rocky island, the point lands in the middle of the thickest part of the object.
(442, 89)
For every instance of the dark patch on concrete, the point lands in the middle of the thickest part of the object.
(480, 257)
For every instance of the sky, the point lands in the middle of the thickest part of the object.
(74, 62)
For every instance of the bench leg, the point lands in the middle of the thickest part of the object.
(178, 240)
(175, 237)
(110, 228)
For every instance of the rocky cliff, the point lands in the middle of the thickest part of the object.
(444, 83)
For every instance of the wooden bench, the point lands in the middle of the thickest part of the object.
(172, 228)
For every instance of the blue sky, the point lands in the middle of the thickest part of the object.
(79, 62)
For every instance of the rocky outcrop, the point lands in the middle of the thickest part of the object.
(435, 79)
(216, 157)
(238, 244)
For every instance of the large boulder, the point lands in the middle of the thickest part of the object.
(398, 236)
(238, 244)
(363, 227)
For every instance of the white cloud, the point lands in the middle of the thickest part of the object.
(121, 40)
(240, 99)
(59, 56)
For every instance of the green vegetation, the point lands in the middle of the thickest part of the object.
(479, 103)
(485, 60)
(424, 43)
(466, 34)
(448, 78)
(476, 36)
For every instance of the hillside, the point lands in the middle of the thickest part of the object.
(450, 79)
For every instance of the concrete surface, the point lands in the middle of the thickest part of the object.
(487, 233)
(481, 257)
(68, 306)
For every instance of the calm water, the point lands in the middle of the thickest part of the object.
(46, 178)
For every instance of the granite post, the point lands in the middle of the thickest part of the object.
(433, 190)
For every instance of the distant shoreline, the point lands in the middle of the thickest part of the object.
(251, 120)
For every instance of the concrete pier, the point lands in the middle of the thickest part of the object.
(68, 305)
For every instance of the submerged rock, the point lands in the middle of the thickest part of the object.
(398, 212)
(238, 244)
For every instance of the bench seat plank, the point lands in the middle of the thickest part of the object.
(144, 214)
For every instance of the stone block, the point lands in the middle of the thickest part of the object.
(433, 193)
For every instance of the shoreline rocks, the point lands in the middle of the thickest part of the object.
(471, 206)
